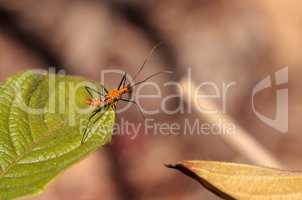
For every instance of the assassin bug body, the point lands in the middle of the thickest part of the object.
(111, 97)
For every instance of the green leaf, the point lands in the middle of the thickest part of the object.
(240, 181)
(36, 146)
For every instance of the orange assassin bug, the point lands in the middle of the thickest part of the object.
(111, 97)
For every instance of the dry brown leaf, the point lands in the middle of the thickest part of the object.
(240, 181)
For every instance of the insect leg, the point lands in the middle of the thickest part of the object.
(122, 80)
(95, 112)
(106, 107)
(106, 91)
(114, 105)
(125, 81)
(89, 120)
(137, 106)
(90, 90)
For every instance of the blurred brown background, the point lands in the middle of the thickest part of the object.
(221, 40)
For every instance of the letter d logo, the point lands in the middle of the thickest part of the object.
(280, 122)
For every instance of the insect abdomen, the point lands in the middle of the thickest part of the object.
(94, 102)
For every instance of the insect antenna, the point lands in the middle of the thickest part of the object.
(151, 76)
(146, 60)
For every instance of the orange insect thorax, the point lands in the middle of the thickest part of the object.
(117, 93)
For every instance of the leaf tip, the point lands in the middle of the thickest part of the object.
(170, 165)
(181, 166)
